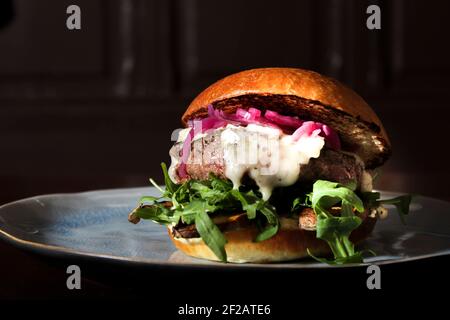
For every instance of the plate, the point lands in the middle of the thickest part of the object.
(94, 225)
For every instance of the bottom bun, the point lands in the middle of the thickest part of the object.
(290, 243)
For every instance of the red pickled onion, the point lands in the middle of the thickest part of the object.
(209, 123)
(220, 115)
(185, 151)
(254, 112)
(332, 137)
(315, 129)
(275, 117)
(306, 129)
(252, 115)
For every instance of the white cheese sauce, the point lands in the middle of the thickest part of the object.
(173, 167)
(366, 182)
(271, 158)
(183, 133)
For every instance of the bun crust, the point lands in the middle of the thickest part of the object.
(288, 244)
(304, 93)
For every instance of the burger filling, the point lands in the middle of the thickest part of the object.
(240, 153)
(266, 170)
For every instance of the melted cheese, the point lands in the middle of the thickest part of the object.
(172, 168)
(271, 158)
(366, 182)
(183, 133)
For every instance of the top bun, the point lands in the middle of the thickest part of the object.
(306, 94)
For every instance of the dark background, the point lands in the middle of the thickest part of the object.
(95, 108)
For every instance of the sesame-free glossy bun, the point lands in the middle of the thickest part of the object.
(290, 243)
(306, 94)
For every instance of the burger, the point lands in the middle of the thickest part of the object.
(273, 164)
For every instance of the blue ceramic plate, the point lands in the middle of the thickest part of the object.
(94, 225)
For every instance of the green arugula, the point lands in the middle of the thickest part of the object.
(301, 202)
(211, 235)
(336, 230)
(273, 224)
(158, 214)
(358, 257)
(401, 203)
(194, 200)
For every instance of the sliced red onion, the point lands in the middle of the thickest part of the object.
(275, 117)
(306, 129)
(213, 113)
(185, 151)
(220, 115)
(315, 129)
(255, 113)
(332, 138)
(252, 115)
(210, 123)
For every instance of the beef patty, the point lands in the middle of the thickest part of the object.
(206, 157)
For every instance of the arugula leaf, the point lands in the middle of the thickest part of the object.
(220, 184)
(252, 204)
(156, 186)
(193, 201)
(206, 192)
(401, 203)
(272, 226)
(351, 185)
(346, 209)
(211, 235)
(356, 258)
(302, 201)
(327, 229)
(156, 212)
(336, 230)
(170, 186)
(150, 199)
(249, 202)
(370, 198)
(327, 194)
(193, 208)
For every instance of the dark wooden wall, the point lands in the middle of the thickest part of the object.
(95, 108)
